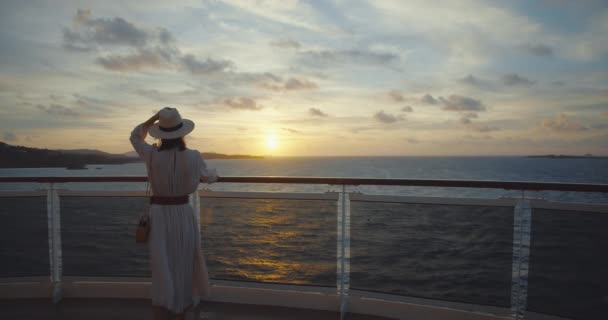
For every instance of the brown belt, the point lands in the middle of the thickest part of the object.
(168, 201)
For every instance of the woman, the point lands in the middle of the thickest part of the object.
(178, 268)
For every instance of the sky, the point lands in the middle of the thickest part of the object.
(310, 78)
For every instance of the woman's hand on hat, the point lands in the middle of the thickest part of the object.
(152, 119)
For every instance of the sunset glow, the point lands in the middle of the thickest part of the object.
(386, 77)
(271, 142)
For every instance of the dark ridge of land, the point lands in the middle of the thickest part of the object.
(562, 156)
(213, 155)
(25, 157)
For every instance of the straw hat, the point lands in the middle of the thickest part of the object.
(170, 125)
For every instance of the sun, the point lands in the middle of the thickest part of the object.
(271, 142)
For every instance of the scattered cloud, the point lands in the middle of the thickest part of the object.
(540, 50)
(286, 43)
(428, 99)
(292, 84)
(461, 103)
(383, 117)
(470, 79)
(88, 32)
(464, 120)
(152, 94)
(412, 140)
(558, 83)
(329, 58)
(197, 67)
(396, 96)
(58, 110)
(407, 109)
(291, 130)
(563, 123)
(243, 103)
(135, 62)
(474, 81)
(297, 84)
(483, 128)
(513, 79)
(9, 136)
(467, 116)
(317, 112)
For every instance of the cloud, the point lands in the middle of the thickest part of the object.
(470, 79)
(329, 58)
(291, 130)
(242, 103)
(317, 112)
(483, 128)
(605, 114)
(292, 84)
(152, 94)
(383, 117)
(407, 109)
(540, 50)
(461, 103)
(9, 136)
(467, 116)
(58, 110)
(412, 140)
(395, 95)
(135, 62)
(513, 79)
(296, 84)
(166, 37)
(464, 120)
(558, 83)
(286, 43)
(87, 32)
(563, 123)
(428, 99)
(194, 66)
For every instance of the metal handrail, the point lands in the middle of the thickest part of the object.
(483, 184)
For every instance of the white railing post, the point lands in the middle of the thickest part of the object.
(343, 250)
(54, 232)
(522, 224)
(195, 202)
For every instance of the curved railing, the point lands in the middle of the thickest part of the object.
(347, 222)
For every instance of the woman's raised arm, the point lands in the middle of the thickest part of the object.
(138, 137)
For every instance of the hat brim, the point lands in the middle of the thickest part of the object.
(186, 128)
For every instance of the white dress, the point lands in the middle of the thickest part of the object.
(179, 272)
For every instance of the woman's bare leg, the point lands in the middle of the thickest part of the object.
(161, 313)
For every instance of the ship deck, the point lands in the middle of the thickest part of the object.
(134, 309)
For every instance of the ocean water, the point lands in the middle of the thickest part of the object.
(446, 252)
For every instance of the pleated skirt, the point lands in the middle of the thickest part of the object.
(179, 271)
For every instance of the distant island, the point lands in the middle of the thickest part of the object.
(25, 157)
(562, 156)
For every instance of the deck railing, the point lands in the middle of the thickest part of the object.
(521, 206)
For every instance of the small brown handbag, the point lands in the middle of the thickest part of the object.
(143, 229)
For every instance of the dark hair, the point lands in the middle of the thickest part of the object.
(168, 144)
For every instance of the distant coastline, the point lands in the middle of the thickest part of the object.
(25, 157)
(562, 156)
